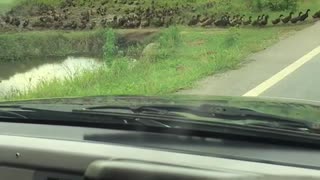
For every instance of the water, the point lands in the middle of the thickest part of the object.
(24, 76)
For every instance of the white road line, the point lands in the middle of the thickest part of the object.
(282, 74)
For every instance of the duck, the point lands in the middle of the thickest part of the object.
(58, 24)
(287, 19)
(115, 22)
(255, 22)
(316, 15)
(264, 21)
(25, 23)
(194, 20)
(234, 21)
(180, 20)
(67, 26)
(16, 22)
(304, 16)
(224, 21)
(74, 25)
(145, 23)
(249, 21)
(277, 21)
(103, 23)
(82, 25)
(240, 21)
(121, 20)
(208, 22)
(202, 20)
(160, 22)
(92, 25)
(296, 19)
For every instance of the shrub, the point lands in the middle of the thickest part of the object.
(49, 44)
(110, 47)
(46, 2)
(274, 5)
(164, 45)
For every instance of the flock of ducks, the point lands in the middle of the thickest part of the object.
(261, 20)
(87, 14)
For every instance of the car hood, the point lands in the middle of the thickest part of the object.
(297, 109)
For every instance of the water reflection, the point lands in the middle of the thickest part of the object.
(21, 78)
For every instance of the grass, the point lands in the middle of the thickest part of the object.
(55, 44)
(32, 44)
(7, 4)
(190, 56)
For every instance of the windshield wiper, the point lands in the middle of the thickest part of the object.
(163, 116)
(172, 119)
(241, 116)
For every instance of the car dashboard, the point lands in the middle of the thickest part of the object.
(45, 152)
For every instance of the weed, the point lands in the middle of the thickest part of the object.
(274, 5)
(29, 45)
(110, 47)
(164, 46)
(232, 38)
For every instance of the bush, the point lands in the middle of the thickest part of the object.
(134, 51)
(110, 47)
(274, 5)
(164, 45)
(49, 44)
(46, 2)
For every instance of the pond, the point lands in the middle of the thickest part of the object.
(23, 76)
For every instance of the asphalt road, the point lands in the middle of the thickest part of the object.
(288, 69)
(304, 83)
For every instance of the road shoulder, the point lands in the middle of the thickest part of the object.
(261, 66)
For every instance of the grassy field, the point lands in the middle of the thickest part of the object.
(50, 44)
(187, 55)
(6, 4)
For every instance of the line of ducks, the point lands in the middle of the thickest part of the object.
(261, 20)
(142, 18)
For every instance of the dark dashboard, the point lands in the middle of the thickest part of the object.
(214, 147)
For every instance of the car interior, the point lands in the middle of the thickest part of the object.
(51, 152)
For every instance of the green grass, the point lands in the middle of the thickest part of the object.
(28, 45)
(196, 54)
(34, 44)
(5, 5)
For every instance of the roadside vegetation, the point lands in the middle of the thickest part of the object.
(7, 4)
(173, 59)
(49, 44)
(178, 57)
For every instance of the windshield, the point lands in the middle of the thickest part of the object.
(238, 48)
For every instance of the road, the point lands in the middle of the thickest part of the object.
(288, 69)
